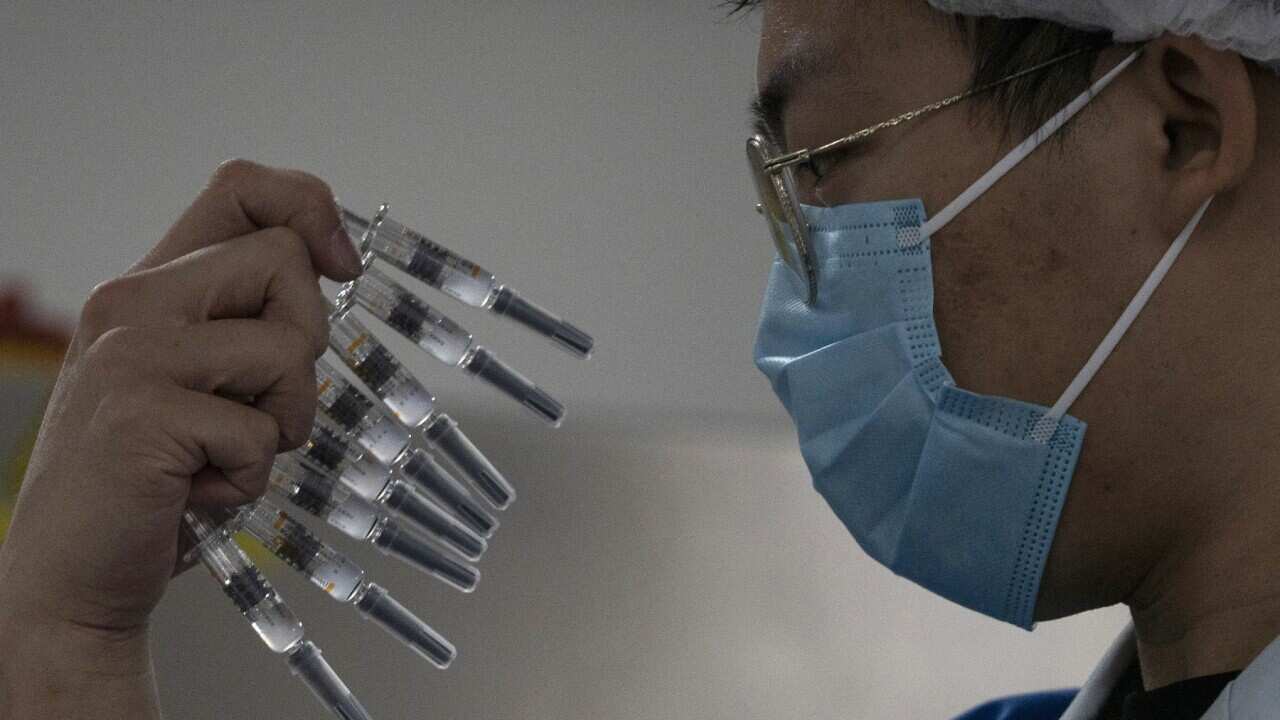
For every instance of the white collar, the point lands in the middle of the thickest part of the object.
(1254, 695)
(1093, 695)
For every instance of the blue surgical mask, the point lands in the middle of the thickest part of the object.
(956, 491)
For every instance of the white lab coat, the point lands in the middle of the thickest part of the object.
(1254, 695)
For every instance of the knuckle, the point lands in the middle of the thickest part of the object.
(311, 314)
(319, 326)
(316, 201)
(120, 412)
(295, 422)
(117, 358)
(268, 437)
(106, 302)
(298, 381)
(265, 438)
(257, 482)
(230, 172)
(317, 191)
(295, 344)
(303, 303)
(289, 246)
(115, 348)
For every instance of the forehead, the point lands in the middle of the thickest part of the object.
(832, 39)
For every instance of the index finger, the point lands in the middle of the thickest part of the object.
(243, 197)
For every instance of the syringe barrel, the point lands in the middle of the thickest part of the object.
(241, 581)
(376, 483)
(427, 475)
(352, 514)
(377, 605)
(326, 448)
(445, 435)
(367, 478)
(380, 371)
(395, 540)
(323, 496)
(292, 542)
(342, 401)
(507, 302)
(486, 366)
(429, 329)
(379, 434)
(303, 486)
(434, 519)
(430, 263)
(309, 665)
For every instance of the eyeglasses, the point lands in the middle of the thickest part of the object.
(774, 176)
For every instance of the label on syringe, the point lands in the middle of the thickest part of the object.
(353, 516)
(462, 279)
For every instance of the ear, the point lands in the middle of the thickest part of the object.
(1205, 100)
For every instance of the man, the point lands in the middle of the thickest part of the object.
(1021, 257)
(1164, 507)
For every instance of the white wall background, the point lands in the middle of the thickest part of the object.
(667, 557)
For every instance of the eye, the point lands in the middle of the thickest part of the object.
(823, 165)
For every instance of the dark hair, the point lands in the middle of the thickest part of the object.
(1003, 47)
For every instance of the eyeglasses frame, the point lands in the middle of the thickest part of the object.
(778, 168)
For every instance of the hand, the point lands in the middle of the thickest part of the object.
(184, 378)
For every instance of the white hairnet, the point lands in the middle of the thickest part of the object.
(1249, 27)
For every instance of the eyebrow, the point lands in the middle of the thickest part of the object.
(768, 108)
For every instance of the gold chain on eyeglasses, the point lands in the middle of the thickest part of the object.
(805, 155)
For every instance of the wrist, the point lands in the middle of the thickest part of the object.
(55, 668)
(35, 616)
(40, 652)
(71, 648)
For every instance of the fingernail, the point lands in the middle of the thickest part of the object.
(347, 256)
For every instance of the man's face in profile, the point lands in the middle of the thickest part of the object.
(1030, 278)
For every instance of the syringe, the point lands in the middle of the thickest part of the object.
(428, 328)
(379, 370)
(330, 501)
(340, 578)
(476, 360)
(309, 666)
(240, 579)
(442, 434)
(266, 612)
(334, 481)
(347, 407)
(328, 453)
(414, 406)
(457, 277)
(382, 436)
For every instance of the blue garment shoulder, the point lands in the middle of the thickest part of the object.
(1032, 706)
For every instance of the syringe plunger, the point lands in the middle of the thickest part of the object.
(377, 605)
(428, 475)
(508, 303)
(445, 435)
(309, 665)
(484, 365)
(434, 519)
(393, 539)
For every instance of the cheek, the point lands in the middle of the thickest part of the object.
(1030, 277)
(996, 305)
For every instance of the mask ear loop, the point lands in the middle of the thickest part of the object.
(1022, 150)
(1048, 423)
